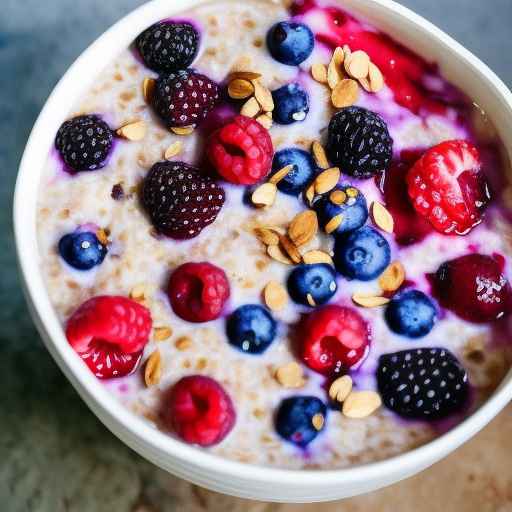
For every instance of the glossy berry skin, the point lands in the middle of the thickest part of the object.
(168, 46)
(312, 285)
(241, 151)
(359, 143)
(290, 43)
(447, 187)
(82, 250)
(334, 339)
(474, 288)
(84, 143)
(251, 328)
(180, 200)
(184, 98)
(198, 291)
(199, 411)
(362, 254)
(106, 361)
(294, 419)
(353, 208)
(291, 104)
(424, 383)
(303, 172)
(411, 313)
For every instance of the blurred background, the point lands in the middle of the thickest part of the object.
(54, 455)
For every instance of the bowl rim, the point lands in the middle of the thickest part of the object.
(115, 415)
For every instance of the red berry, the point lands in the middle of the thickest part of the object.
(335, 338)
(447, 186)
(198, 291)
(473, 287)
(241, 151)
(199, 410)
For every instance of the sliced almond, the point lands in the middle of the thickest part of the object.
(310, 193)
(182, 130)
(245, 75)
(102, 237)
(318, 421)
(347, 52)
(319, 72)
(303, 227)
(275, 295)
(381, 217)
(338, 197)
(334, 70)
(173, 150)
(148, 89)
(365, 84)
(369, 301)
(153, 369)
(319, 155)
(317, 256)
(133, 131)
(265, 121)
(375, 78)
(250, 108)
(393, 277)
(360, 404)
(239, 89)
(334, 223)
(327, 180)
(358, 64)
(264, 195)
(276, 253)
(345, 93)
(162, 333)
(263, 96)
(290, 375)
(340, 388)
(267, 236)
(281, 174)
(183, 343)
(290, 248)
(311, 300)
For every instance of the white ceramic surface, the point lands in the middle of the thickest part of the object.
(457, 64)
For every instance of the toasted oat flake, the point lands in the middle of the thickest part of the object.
(369, 301)
(267, 236)
(361, 404)
(263, 95)
(357, 65)
(139, 292)
(317, 256)
(275, 295)
(281, 174)
(133, 131)
(381, 217)
(276, 253)
(183, 343)
(182, 130)
(393, 277)
(290, 248)
(173, 150)
(319, 72)
(162, 333)
(290, 375)
(239, 89)
(327, 180)
(318, 421)
(319, 155)
(375, 78)
(264, 195)
(250, 108)
(340, 388)
(338, 197)
(153, 369)
(303, 227)
(102, 236)
(148, 89)
(345, 93)
(334, 223)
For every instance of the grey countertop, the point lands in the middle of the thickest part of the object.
(54, 455)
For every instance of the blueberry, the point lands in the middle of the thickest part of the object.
(347, 201)
(290, 43)
(411, 313)
(82, 250)
(362, 254)
(251, 328)
(300, 176)
(299, 419)
(312, 285)
(291, 104)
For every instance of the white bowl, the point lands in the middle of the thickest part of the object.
(193, 464)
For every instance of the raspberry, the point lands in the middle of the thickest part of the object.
(184, 98)
(84, 143)
(199, 410)
(446, 186)
(168, 46)
(359, 142)
(198, 291)
(241, 151)
(107, 361)
(335, 339)
(180, 200)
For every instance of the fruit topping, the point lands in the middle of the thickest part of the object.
(251, 328)
(300, 175)
(82, 250)
(411, 313)
(84, 143)
(300, 419)
(335, 339)
(362, 254)
(359, 142)
(473, 287)
(107, 361)
(425, 383)
(290, 43)
(180, 200)
(199, 411)
(184, 98)
(312, 285)
(291, 104)
(168, 46)
(198, 291)
(447, 187)
(241, 151)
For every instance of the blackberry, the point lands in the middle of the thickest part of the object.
(424, 383)
(359, 142)
(168, 46)
(84, 142)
